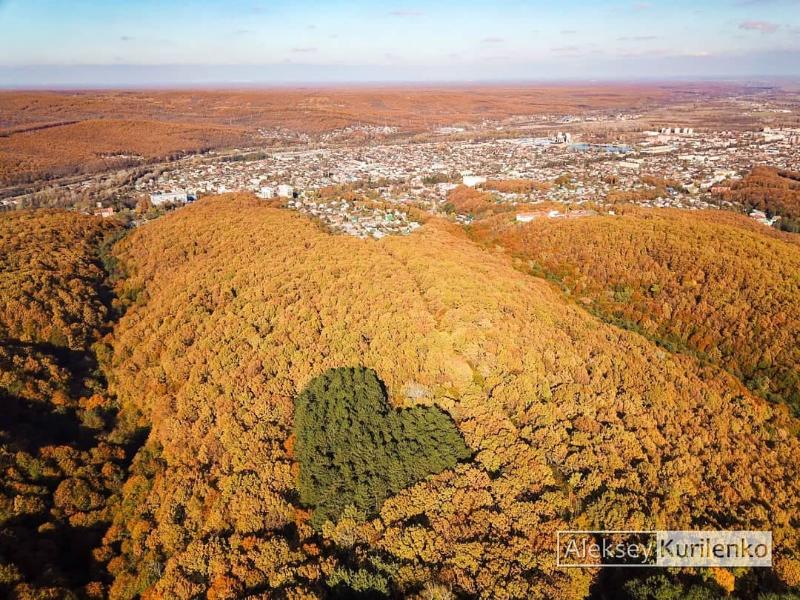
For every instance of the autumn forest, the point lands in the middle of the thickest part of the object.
(232, 402)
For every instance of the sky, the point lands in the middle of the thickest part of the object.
(184, 42)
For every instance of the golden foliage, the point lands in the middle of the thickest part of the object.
(49, 278)
(713, 283)
(771, 190)
(59, 467)
(313, 110)
(97, 144)
(477, 203)
(573, 423)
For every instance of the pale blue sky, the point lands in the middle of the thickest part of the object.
(54, 41)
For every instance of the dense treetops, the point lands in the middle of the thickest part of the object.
(73, 148)
(570, 422)
(474, 202)
(716, 284)
(507, 413)
(773, 191)
(353, 449)
(59, 466)
(49, 274)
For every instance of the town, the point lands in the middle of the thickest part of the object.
(370, 189)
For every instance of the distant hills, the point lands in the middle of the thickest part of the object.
(44, 135)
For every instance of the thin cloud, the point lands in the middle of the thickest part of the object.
(568, 31)
(304, 50)
(406, 13)
(637, 38)
(492, 40)
(127, 38)
(643, 53)
(761, 26)
(642, 6)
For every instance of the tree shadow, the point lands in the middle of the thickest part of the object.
(30, 426)
(60, 555)
(80, 364)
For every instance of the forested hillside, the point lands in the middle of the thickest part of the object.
(283, 412)
(716, 285)
(73, 148)
(59, 463)
(774, 191)
(238, 309)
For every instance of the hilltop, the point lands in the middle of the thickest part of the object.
(714, 284)
(191, 433)
(570, 422)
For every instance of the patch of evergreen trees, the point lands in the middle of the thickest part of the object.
(355, 449)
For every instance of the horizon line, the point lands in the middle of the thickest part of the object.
(756, 80)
